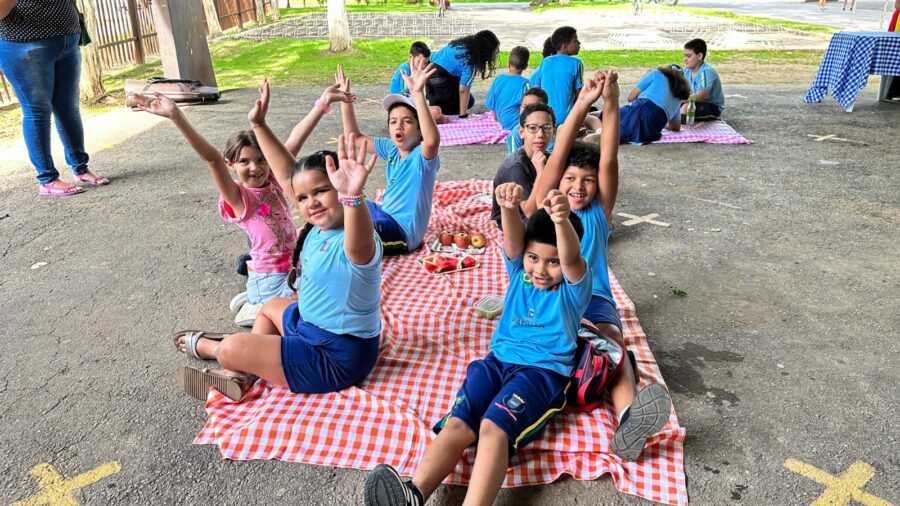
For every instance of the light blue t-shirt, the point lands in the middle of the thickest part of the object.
(505, 99)
(539, 327)
(560, 76)
(655, 87)
(594, 247)
(707, 79)
(335, 294)
(398, 85)
(410, 188)
(453, 59)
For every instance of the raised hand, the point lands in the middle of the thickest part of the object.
(159, 105)
(592, 89)
(349, 177)
(557, 206)
(340, 80)
(334, 94)
(611, 87)
(508, 195)
(257, 115)
(418, 74)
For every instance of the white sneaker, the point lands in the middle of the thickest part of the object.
(247, 315)
(238, 301)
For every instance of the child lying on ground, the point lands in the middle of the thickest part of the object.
(509, 396)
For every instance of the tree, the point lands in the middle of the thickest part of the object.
(260, 13)
(338, 27)
(213, 27)
(91, 84)
(276, 11)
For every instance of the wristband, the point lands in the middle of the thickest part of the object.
(352, 200)
(322, 106)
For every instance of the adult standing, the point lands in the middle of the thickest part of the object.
(39, 55)
(457, 64)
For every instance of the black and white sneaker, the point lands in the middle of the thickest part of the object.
(646, 416)
(384, 487)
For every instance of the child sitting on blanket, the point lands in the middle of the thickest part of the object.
(655, 103)
(509, 396)
(327, 340)
(537, 127)
(533, 95)
(504, 99)
(560, 75)
(411, 154)
(706, 88)
(418, 51)
(590, 180)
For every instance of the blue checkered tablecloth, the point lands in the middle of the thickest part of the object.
(850, 58)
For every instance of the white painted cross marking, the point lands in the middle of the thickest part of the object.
(634, 220)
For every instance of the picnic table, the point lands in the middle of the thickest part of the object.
(849, 60)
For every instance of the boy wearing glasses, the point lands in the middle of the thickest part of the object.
(537, 126)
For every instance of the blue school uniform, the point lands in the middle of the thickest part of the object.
(505, 99)
(655, 87)
(643, 120)
(410, 188)
(398, 85)
(560, 76)
(602, 308)
(707, 79)
(453, 59)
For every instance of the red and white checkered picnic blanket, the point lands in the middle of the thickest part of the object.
(476, 129)
(713, 132)
(430, 334)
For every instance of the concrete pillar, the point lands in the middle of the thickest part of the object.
(182, 41)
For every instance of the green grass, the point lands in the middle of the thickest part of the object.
(391, 6)
(586, 4)
(614, 58)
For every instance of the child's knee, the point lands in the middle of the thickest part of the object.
(491, 431)
(611, 331)
(459, 430)
(229, 351)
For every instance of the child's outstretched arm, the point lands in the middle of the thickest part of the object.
(349, 178)
(280, 160)
(162, 105)
(509, 198)
(415, 82)
(608, 179)
(567, 244)
(305, 127)
(348, 114)
(568, 132)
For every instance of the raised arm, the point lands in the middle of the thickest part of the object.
(608, 180)
(348, 114)
(305, 127)
(567, 243)
(281, 161)
(549, 178)
(162, 105)
(415, 82)
(509, 197)
(349, 178)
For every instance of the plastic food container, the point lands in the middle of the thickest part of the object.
(489, 306)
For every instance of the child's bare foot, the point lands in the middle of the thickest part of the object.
(191, 342)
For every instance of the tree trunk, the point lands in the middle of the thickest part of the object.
(213, 27)
(276, 11)
(91, 85)
(260, 13)
(338, 27)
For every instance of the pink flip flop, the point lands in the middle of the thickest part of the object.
(59, 189)
(92, 179)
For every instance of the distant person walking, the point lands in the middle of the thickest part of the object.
(822, 5)
(852, 5)
(39, 54)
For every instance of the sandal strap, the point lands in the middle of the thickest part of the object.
(190, 343)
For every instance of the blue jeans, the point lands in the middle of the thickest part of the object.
(44, 74)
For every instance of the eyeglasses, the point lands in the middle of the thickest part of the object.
(533, 128)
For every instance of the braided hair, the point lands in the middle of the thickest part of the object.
(315, 161)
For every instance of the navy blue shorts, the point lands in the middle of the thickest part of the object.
(393, 238)
(601, 310)
(707, 111)
(519, 399)
(641, 122)
(318, 361)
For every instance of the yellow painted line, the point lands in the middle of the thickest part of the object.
(57, 491)
(839, 491)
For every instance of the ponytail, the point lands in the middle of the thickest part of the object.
(549, 48)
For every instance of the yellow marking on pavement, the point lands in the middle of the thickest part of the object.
(57, 491)
(840, 490)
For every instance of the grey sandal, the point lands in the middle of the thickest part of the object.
(192, 337)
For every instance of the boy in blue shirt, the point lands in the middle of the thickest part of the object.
(418, 51)
(411, 154)
(504, 99)
(705, 84)
(560, 75)
(590, 180)
(509, 396)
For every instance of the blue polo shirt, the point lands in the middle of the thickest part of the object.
(539, 327)
(335, 294)
(707, 78)
(410, 188)
(655, 87)
(594, 248)
(453, 59)
(397, 83)
(505, 99)
(560, 76)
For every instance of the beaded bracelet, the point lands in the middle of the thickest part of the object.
(352, 200)
(323, 106)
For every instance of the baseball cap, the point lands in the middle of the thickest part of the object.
(396, 98)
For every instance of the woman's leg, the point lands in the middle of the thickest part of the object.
(65, 99)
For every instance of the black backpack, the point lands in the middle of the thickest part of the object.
(598, 362)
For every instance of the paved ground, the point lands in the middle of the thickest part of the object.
(784, 347)
(866, 17)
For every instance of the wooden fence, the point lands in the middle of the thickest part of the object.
(234, 13)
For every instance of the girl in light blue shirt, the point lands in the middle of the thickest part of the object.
(655, 104)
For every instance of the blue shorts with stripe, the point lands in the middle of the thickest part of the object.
(519, 399)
